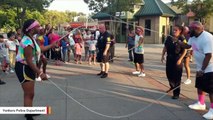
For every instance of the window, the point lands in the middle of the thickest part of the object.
(147, 27)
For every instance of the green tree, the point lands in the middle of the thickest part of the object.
(111, 5)
(201, 8)
(21, 6)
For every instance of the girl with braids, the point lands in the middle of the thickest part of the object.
(25, 68)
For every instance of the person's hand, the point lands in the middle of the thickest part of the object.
(104, 54)
(199, 73)
(43, 76)
(162, 59)
(179, 62)
(54, 44)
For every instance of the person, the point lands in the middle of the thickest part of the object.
(130, 43)
(86, 36)
(92, 50)
(139, 53)
(40, 39)
(175, 55)
(64, 44)
(112, 48)
(202, 46)
(103, 45)
(12, 43)
(78, 50)
(3, 54)
(25, 67)
(187, 57)
(71, 45)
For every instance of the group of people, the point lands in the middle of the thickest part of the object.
(35, 42)
(180, 46)
(176, 47)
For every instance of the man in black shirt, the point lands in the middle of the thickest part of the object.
(103, 46)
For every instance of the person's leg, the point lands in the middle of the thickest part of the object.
(28, 88)
(130, 52)
(44, 61)
(68, 55)
(201, 96)
(187, 68)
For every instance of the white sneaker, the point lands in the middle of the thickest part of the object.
(48, 76)
(11, 71)
(187, 82)
(209, 115)
(198, 106)
(136, 73)
(142, 74)
(38, 79)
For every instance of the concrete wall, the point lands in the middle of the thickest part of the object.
(156, 26)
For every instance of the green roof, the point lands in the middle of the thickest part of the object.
(101, 15)
(155, 8)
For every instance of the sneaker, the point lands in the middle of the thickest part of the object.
(38, 79)
(11, 71)
(209, 114)
(48, 76)
(104, 75)
(142, 74)
(175, 97)
(100, 73)
(2, 82)
(187, 82)
(136, 73)
(198, 106)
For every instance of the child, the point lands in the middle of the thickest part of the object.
(92, 50)
(3, 54)
(12, 43)
(57, 51)
(78, 51)
(64, 48)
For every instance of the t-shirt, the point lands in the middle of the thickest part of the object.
(71, 40)
(92, 44)
(202, 45)
(12, 44)
(103, 40)
(26, 41)
(3, 50)
(139, 49)
(41, 40)
(131, 40)
(46, 41)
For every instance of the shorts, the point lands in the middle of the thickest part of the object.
(138, 58)
(92, 52)
(24, 73)
(102, 58)
(205, 82)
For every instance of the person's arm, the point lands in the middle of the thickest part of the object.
(28, 55)
(140, 41)
(107, 46)
(181, 57)
(163, 54)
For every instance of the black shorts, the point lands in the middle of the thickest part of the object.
(138, 58)
(24, 72)
(102, 58)
(205, 82)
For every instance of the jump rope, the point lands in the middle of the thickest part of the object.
(120, 116)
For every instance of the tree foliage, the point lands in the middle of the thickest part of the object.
(201, 8)
(112, 6)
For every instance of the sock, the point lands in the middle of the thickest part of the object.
(201, 99)
(211, 105)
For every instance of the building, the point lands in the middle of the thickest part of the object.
(154, 15)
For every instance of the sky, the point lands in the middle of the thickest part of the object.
(73, 5)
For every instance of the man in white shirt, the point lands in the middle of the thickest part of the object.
(202, 46)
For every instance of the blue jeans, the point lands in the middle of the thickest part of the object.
(131, 52)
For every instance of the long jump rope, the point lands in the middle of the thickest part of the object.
(120, 116)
